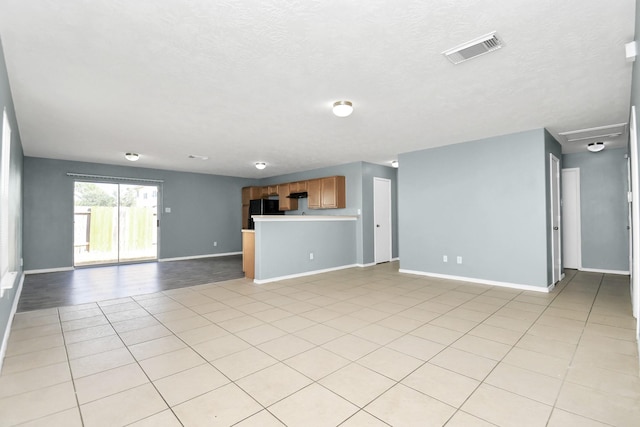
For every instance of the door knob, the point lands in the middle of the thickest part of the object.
(555, 228)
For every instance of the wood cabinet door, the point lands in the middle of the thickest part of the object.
(298, 187)
(246, 195)
(314, 190)
(285, 203)
(272, 190)
(334, 192)
(256, 193)
(329, 192)
(245, 217)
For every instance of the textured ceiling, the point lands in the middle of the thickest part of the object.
(253, 80)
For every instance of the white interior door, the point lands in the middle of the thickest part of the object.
(571, 234)
(382, 219)
(556, 254)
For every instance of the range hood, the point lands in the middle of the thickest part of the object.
(300, 195)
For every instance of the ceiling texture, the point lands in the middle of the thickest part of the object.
(243, 81)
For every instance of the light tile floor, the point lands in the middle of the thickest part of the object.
(358, 347)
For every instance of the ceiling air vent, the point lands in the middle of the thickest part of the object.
(476, 47)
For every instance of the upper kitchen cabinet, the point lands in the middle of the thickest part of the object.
(285, 203)
(327, 193)
(272, 190)
(314, 193)
(298, 187)
(252, 193)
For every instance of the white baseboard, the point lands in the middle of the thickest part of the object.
(480, 281)
(371, 264)
(14, 308)
(183, 258)
(598, 270)
(306, 273)
(48, 270)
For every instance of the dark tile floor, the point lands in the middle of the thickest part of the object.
(93, 284)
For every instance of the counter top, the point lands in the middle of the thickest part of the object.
(248, 231)
(283, 218)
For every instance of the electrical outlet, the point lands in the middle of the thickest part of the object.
(215, 243)
(311, 255)
(459, 260)
(444, 258)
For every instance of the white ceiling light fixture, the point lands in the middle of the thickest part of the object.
(342, 108)
(195, 156)
(261, 165)
(595, 147)
(132, 157)
(394, 163)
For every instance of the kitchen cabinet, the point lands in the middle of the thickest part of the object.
(285, 203)
(314, 190)
(245, 216)
(272, 190)
(298, 187)
(248, 194)
(252, 193)
(323, 193)
(248, 253)
(331, 193)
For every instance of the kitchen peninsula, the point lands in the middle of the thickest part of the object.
(289, 246)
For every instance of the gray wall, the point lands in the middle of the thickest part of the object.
(204, 209)
(603, 208)
(15, 196)
(483, 200)
(282, 248)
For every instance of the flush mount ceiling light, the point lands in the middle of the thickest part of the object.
(594, 147)
(195, 156)
(342, 108)
(394, 163)
(261, 165)
(132, 157)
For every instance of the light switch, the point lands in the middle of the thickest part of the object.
(167, 210)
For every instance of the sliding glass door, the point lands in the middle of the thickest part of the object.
(114, 223)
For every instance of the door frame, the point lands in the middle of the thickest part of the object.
(554, 183)
(578, 216)
(389, 225)
(635, 220)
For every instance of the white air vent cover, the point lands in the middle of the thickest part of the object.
(476, 47)
(598, 133)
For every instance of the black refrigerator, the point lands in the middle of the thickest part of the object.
(262, 207)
